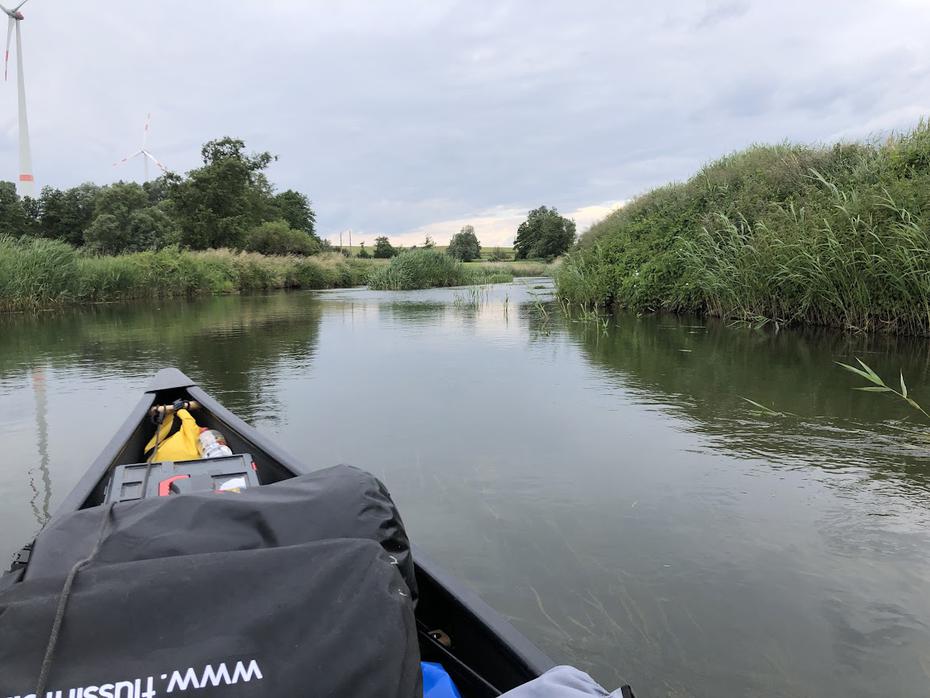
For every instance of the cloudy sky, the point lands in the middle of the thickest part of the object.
(402, 118)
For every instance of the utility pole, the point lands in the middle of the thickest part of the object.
(350, 239)
(340, 240)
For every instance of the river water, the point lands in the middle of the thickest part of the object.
(606, 488)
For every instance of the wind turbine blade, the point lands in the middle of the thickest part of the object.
(145, 130)
(6, 56)
(16, 9)
(128, 158)
(155, 160)
(5, 10)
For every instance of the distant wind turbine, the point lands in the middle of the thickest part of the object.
(27, 184)
(146, 155)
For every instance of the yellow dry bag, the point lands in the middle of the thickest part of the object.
(182, 445)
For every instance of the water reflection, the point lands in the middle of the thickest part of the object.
(233, 345)
(41, 493)
(704, 370)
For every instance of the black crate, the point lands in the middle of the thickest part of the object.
(229, 474)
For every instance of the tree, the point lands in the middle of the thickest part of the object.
(383, 248)
(544, 234)
(151, 228)
(125, 222)
(13, 218)
(65, 215)
(120, 200)
(158, 190)
(464, 245)
(219, 203)
(278, 238)
(428, 243)
(106, 235)
(363, 253)
(294, 208)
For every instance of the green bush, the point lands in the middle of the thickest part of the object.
(421, 268)
(278, 238)
(792, 234)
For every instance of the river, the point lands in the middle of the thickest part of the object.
(604, 487)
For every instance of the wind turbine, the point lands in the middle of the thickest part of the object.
(27, 184)
(146, 155)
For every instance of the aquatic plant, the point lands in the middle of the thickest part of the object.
(879, 385)
(545, 318)
(472, 297)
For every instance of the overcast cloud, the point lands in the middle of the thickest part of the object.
(404, 118)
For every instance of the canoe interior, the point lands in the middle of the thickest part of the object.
(137, 435)
(486, 657)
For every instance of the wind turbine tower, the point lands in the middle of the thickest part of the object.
(26, 185)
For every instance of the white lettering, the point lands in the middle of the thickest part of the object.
(214, 676)
(128, 685)
(181, 683)
(180, 680)
(241, 673)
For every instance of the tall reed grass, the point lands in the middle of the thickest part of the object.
(39, 273)
(430, 268)
(836, 236)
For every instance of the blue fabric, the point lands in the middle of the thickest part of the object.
(436, 682)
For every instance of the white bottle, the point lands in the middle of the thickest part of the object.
(212, 444)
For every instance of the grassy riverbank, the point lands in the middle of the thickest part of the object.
(40, 273)
(836, 236)
(516, 269)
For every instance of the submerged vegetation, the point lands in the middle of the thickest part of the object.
(836, 236)
(40, 273)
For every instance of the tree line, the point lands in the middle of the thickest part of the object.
(543, 235)
(227, 202)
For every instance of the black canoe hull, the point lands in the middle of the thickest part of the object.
(487, 656)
